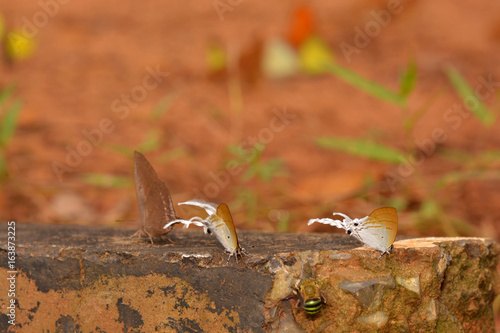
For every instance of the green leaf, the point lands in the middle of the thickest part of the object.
(408, 79)
(370, 87)
(249, 174)
(150, 143)
(268, 170)
(108, 181)
(3, 167)
(362, 148)
(460, 176)
(163, 106)
(489, 156)
(247, 156)
(430, 209)
(119, 149)
(411, 120)
(171, 155)
(2, 27)
(471, 102)
(6, 93)
(9, 122)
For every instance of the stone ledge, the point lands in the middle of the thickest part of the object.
(98, 279)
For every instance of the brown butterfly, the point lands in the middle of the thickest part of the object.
(155, 204)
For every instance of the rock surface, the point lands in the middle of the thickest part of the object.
(89, 279)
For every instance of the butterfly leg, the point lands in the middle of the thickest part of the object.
(166, 239)
(229, 258)
(150, 238)
(137, 233)
(388, 251)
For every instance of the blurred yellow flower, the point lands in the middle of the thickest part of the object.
(314, 55)
(19, 46)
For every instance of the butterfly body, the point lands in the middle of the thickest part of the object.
(219, 223)
(153, 197)
(377, 230)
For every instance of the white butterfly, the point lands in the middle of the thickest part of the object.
(219, 222)
(377, 230)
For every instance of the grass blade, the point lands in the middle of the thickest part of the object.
(408, 79)
(471, 102)
(370, 87)
(163, 106)
(3, 167)
(460, 176)
(6, 93)
(362, 148)
(107, 181)
(9, 122)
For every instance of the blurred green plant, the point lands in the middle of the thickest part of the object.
(370, 87)
(2, 27)
(472, 102)
(107, 180)
(163, 106)
(283, 221)
(10, 107)
(151, 142)
(431, 209)
(255, 170)
(362, 148)
(255, 167)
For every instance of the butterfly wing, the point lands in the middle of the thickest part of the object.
(209, 207)
(388, 217)
(155, 205)
(145, 177)
(224, 214)
(379, 229)
(158, 210)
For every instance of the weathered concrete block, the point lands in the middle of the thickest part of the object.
(96, 279)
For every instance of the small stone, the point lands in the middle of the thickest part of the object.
(412, 284)
(377, 319)
(282, 286)
(369, 293)
(442, 264)
(431, 311)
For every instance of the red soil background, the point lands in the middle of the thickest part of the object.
(90, 53)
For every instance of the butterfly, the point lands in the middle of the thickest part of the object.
(219, 222)
(155, 204)
(377, 230)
